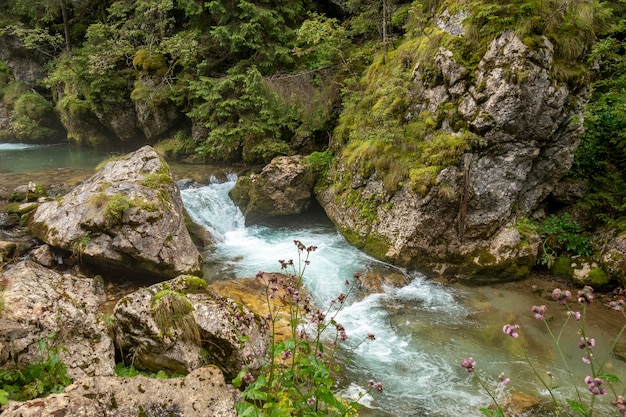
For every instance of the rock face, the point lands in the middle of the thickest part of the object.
(40, 303)
(525, 140)
(284, 187)
(180, 325)
(128, 217)
(202, 393)
(26, 64)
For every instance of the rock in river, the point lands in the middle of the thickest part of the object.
(128, 218)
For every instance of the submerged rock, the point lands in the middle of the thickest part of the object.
(42, 305)
(181, 324)
(202, 393)
(128, 218)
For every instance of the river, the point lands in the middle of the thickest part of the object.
(423, 329)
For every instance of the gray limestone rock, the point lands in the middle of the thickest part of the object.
(284, 187)
(128, 218)
(42, 305)
(200, 328)
(525, 128)
(202, 393)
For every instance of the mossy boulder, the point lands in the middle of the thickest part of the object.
(613, 256)
(182, 324)
(127, 219)
(284, 187)
(581, 271)
(562, 267)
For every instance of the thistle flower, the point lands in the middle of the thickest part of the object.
(586, 342)
(469, 364)
(511, 330)
(585, 295)
(594, 385)
(561, 296)
(617, 305)
(539, 311)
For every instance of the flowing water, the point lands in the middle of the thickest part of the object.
(423, 329)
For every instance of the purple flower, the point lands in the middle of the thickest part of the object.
(311, 401)
(620, 404)
(586, 342)
(594, 385)
(469, 364)
(539, 311)
(617, 305)
(585, 295)
(286, 355)
(561, 296)
(248, 378)
(503, 379)
(511, 330)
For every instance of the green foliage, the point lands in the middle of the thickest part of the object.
(243, 117)
(321, 41)
(12, 92)
(33, 106)
(297, 377)
(321, 163)
(601, 156)
(124, 371)
(176, 147)
(562, 234)
(44, 377)
(255, 32)
(78, 246)
(116, 206)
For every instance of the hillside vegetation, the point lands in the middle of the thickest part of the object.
(255, 79)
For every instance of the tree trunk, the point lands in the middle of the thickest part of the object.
(66, 26)
(385, 30)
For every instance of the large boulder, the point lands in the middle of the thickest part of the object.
(181, 324)
(42, 305)
(202, 393)
(284, 187)
(128, 218)
(524, 125)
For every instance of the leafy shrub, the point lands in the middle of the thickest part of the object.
(33, 106)
(47, 376)
(12, 92)
(562, 234)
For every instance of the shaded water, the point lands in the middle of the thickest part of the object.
(423, 329)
